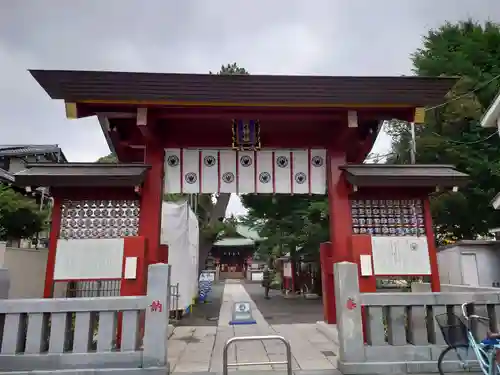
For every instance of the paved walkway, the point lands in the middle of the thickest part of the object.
(280, 310)
(199, 348)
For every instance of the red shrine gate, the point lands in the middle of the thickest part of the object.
(188, 133)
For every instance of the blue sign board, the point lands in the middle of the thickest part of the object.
(242, 314)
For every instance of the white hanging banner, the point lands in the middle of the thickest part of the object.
(172, 170)
(246, 172)
(318, 171)
(227, 174)
(282, 171)
(264, 172)
(300, 172)
(209, 171)
(279, 171)
(190, 171)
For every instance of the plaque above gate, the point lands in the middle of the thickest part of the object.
(246, 135)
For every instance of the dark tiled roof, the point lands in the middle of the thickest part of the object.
(256, 89)
(404, 175)
(81, 175)
(6, 176)
(25, 150)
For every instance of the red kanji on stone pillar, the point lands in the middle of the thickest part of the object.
(351, 305)
(156, 306)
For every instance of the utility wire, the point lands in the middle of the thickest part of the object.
(466, 143)
(483, 85)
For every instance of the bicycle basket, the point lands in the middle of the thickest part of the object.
(453, 328)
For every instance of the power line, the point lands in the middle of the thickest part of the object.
(483, 85)
(466, 143)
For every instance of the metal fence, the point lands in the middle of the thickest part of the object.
(175, 312)
(97, 288)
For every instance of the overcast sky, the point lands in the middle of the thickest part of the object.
(327, 37)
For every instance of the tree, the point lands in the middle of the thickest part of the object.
(231, 69)
(288, 222)
(452, 134)
(20, 217)
(110, 158)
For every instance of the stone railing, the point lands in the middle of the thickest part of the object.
(426, 287)
(381, 333)
(89, 334)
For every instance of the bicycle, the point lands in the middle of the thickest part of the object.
(458, 335)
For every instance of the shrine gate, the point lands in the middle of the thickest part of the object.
(244, 134)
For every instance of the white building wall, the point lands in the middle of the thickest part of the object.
(487, 257)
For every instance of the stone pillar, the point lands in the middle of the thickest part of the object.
(3, 249)
(4, 283)
(157, 316)
(349, 318)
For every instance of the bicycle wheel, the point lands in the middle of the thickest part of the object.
(458, 354)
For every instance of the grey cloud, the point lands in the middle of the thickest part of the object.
(359, 37)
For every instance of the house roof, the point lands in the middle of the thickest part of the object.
(81, 174)
(26, 150)
(413, 175)
(247, 232)
(6, 176)
(491, 118)
(168, 88)
(234, 242)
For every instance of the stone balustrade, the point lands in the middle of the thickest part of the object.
(89, 334)
(383, 333)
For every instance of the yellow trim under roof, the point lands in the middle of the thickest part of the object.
(71, 110)
(419, 117)
(232, 104)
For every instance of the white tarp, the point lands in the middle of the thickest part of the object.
(179, 230)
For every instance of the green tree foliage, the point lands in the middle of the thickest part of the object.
(452, 133)
(288, 222)
(20, 217)
(110, 158)
(231, 69)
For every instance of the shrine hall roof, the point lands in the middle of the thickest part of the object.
(412, 175)
(168, 88)
(81, 175)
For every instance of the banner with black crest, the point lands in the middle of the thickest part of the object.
(280, 171)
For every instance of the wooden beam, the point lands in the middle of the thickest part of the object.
(71, 110)
(352, 119)
(419, 116)
(143, 124)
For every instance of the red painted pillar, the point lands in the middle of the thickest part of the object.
(340, 226)
(327, 286)
(55, 227)
(339, 207)
(151, 201)
(429, 230)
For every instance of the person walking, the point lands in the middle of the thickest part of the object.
(266, 281)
